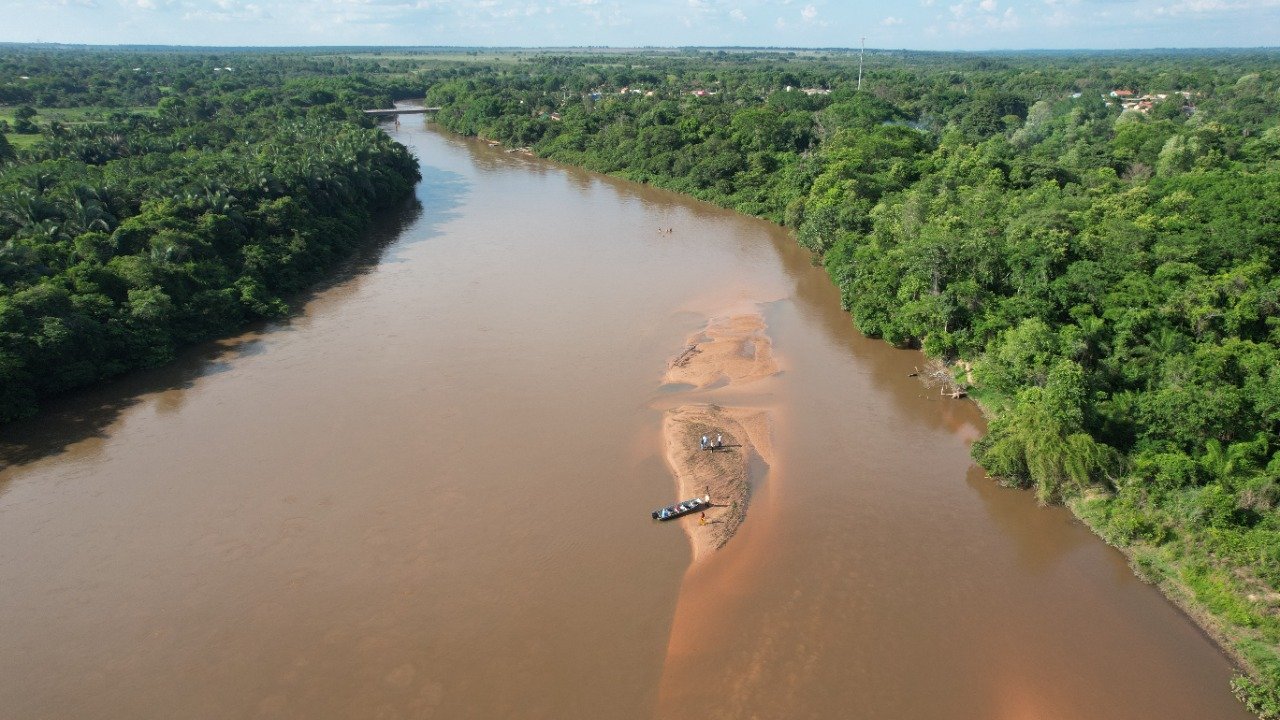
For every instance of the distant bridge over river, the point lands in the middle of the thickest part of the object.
(402, 111)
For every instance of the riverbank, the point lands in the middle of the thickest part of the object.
(1189, 576)
(1214, 575)
(167, 276)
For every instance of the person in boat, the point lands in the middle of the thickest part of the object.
(719, 440)
(704, 442)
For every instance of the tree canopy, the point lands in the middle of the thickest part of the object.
(124, 238)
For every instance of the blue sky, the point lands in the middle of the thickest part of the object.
(915, 24)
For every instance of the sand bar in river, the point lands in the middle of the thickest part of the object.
(730, 351)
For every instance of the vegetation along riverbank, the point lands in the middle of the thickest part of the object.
(126, 234)
(1095, 233)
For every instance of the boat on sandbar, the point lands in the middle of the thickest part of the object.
(685, 507)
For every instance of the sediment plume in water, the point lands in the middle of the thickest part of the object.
(730, 351)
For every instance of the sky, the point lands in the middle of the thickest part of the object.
(912, 24)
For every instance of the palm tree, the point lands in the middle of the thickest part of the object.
(1228, 463)
(23, 208)
(7, 153)
(86, 212)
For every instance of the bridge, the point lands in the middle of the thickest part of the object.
(402, 111)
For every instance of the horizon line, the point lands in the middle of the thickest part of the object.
(5, 44)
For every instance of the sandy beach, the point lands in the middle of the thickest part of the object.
(721, 472)
(730, 351)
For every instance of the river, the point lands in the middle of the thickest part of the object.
(427, 492)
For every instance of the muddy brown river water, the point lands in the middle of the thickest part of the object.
(427, 495)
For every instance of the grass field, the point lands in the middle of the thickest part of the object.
(20, 142)
(74, 115)
(66, 116)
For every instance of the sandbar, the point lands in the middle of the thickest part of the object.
(721, 473)
(732, 350)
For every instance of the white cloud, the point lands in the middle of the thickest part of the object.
(224, 10)
(1008, 21)
(1059, 18)
(957, 24)
(967, 22)
(1192, 6)
(1201, 7)
(1060, 14)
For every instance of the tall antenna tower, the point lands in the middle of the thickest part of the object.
(862, 50)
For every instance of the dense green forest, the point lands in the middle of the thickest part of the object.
(128, 234)
(1091, 241)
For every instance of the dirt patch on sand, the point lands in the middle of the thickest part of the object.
(732, 349)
